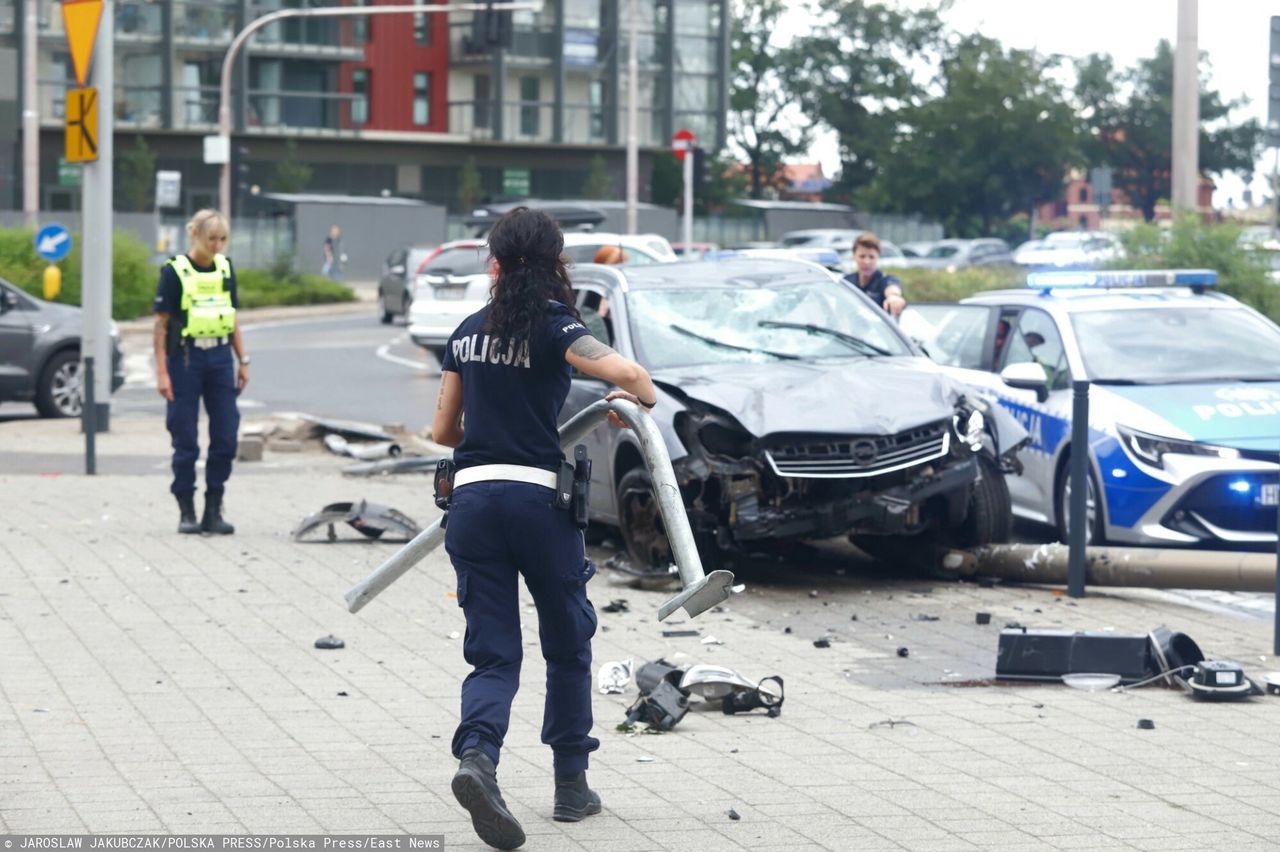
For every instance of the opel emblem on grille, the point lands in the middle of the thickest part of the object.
(864, 452)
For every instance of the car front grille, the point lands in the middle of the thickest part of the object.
(860, 455)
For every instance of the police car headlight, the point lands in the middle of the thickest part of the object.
(969, 428)
(1151, 449)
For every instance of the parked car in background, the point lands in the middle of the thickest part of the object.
(639, 248)
(763, 368)
(1184, 408)
(891, 257)
(917, 248)
(824, 257)
(40, 353)
(832, 238)
(400, 273)
(452, 286)
(1069, 250)
(953, 254)
(693, 251)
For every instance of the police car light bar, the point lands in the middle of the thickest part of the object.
(1122, 278)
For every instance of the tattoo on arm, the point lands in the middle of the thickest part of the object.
(590, 348)
(440, 397)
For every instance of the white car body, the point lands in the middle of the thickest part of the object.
(1069, 250)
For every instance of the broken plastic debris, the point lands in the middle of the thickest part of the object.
(822, 643)
(675, 634)
(920, 616)
(644, 760)
(455, 635)
(738, 589)
(733, 815)
(711, 640)
(342, 694)
(983, 618)
(614, 677)
(891, 723)
(330, 643)
(904, 651)
(617, 605)
(1146, 725)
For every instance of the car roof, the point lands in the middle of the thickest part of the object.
(731, 272)
(1081, 300)
(468, 243)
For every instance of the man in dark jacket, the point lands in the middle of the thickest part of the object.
(884, 290)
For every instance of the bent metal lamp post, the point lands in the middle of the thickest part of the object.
(701, 591)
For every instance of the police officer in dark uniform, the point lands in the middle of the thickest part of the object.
(884, 290)
(506, 374)
(196, 332)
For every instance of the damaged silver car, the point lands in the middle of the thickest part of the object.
(793, 409)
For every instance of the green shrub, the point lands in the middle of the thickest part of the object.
(260, 287)
(939, 285)
(1192, 244)
(133, 278)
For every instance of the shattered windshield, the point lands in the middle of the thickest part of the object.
(736, 325)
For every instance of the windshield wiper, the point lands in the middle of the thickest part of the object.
(724, 345)
(843, 337)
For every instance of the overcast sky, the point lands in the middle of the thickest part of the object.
(1234, 33)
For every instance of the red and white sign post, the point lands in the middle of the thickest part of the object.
(682, 145)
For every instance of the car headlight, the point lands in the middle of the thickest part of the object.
(969, 428)
(712, 435)
(1152, 449)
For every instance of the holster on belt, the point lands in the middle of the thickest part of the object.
(445, 469)
(581, 487)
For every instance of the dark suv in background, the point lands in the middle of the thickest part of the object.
(40, 353)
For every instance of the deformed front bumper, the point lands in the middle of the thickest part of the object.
(890, 511)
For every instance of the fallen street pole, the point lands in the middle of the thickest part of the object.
(1138, 567)
(700, 592)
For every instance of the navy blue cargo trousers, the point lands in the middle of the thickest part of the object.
(498, 532)
(208, 374)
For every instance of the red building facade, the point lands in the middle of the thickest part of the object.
(403, 82)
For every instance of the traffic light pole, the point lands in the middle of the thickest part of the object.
(98, 225)
(688, 199)
(229, 61)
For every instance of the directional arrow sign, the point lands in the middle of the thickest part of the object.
(53, 242)
(80, 19)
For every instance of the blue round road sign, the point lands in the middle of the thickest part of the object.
(53, 242)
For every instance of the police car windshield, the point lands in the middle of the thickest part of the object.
(739, 324)
(1177, 345)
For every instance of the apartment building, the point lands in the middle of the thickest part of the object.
(384, 104)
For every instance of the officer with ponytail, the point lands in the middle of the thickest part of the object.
(506, 374)
(200, 355)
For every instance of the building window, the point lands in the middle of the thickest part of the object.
(529, 108)
(360, 103)
(422, 98)
(596, 95)
(421, 28)
(1084, 194)
(360, 25)
(482, 106)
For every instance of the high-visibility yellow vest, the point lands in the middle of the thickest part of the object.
(205, 297)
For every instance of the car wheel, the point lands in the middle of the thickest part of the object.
(59, 391)
(641, 522)
(383, 310)
(989, 519)
(1062, 507)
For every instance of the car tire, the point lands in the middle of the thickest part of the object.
(640, 522)
(989, 519)
(59, 392)
(1094, 533)
(383, 311)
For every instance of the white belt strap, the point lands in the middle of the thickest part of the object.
(505, 473)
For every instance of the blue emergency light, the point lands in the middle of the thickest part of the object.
(1107, 279)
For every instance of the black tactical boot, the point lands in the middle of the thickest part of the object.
(574, 799)
(475, 786)
(187, 520)
(212, 521)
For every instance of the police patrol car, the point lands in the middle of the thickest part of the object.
(1184, 416)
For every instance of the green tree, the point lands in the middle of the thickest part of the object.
(599, 183)
(857, 71)
(291, 175)
(1130, 121)
(469, 186)
(666, 180)
(996, 140)
(764, 83)
(725, 181)
(136, 166)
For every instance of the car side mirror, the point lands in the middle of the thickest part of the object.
(7, 301)
(1027, 376)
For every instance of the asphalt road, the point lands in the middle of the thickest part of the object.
(350, 368)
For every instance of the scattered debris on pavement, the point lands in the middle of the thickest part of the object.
(330, 643)
(416, 464)
(891, 723)
(983, 618)
(822, 643)
(614, 677)
(711, 640)
(616, 605)
(1146, 725)
(340, 446)
(372, 520)
(920, 616)
(904, 651)
(676, 634)
(733, 815)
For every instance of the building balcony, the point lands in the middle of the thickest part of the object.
(529, 45)
(198, 24)
(533, 122)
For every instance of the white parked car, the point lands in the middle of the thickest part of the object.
(639, 248)
(1069, 250)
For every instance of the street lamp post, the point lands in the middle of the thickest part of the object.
(228, 62)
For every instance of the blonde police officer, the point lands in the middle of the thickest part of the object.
(196, 332)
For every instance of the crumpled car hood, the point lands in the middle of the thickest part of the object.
(872, 396)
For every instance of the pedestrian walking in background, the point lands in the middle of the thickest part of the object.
(196, 334)
(505, 376)
(884, 290)
(333, 256)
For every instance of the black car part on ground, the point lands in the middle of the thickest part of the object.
(1046, 655)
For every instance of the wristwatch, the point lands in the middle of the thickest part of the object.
(244, 362)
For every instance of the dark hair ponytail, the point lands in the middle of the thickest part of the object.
(529, 249)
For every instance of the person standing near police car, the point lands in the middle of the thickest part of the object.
(884, 290)
(505, 376)
(196, 333)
